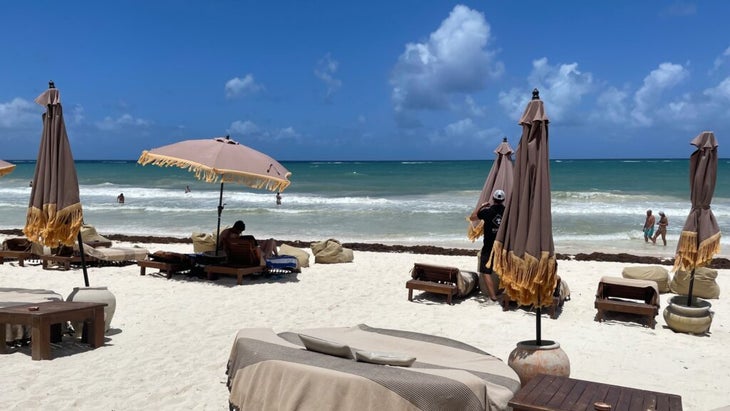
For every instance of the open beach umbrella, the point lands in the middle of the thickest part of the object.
(500, 177)
(700, 237)
(524, 253)
(54, 212)
(6, 168)
(221, 159)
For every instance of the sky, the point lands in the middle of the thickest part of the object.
(305, 80)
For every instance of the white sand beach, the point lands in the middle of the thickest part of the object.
(170, 339)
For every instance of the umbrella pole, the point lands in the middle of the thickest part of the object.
(218, 230)
(83, 260)
(538, 328)
(691, 285)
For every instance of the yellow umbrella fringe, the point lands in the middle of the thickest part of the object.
(686, 251)
(475, 229)
(51, 227)
(689, 255)
(523, 278)
(212, 175)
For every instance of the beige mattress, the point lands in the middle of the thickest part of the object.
(269, 371)
(117, 253)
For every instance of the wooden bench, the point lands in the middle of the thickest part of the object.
(433, 279)
(625, 295)
(553, 393)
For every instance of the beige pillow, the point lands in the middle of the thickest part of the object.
(203, 242)
(326, 347)
(655, 273)
(704, 285)
(301, 255)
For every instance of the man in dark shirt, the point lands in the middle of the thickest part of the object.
(491, 214)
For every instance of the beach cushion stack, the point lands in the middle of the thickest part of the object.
(655, 273)
(704, 286)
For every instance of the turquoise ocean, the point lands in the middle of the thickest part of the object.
(597, 205)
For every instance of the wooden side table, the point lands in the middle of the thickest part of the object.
(548, 392)
(41, 316)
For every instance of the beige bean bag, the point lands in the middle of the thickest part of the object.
(655, 273)
(301, 255)
(203, 242)
(331, 252)
(704, 285)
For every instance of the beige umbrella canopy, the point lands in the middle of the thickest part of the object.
(500, 177)
(524, 253)
(54, 212)
(700, 237)
(6, 168)
(221, 159)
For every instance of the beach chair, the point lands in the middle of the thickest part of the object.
(19, 249)
(166, 262)
(449, 281)
(630, 296)
(244, 258)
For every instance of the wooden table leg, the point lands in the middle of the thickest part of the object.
(41, 339)
(3, 346)
(96, 328)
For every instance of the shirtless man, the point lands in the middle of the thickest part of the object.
(649, 226)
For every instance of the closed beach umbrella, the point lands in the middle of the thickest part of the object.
(221, 159)
(5, 168)
(500, 177)
(54, 213)
(700, 238)
(524, 253)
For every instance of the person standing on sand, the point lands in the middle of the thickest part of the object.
(492, 217)
(648, 226)
(661, 228)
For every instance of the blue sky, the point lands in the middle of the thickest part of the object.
(375, 80)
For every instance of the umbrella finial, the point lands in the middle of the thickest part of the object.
(535, 94)
(504, 139)
(51, 84)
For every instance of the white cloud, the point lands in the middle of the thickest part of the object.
(242, 86)
(325, 71)
(720, 60)
(77, 114)
(243, 127)
(125, 120)
(18, 112)
(721, 92)
(462, 132)
(561, 88)
(611, 106)
(473, 108)
(287, 132)
(454, 59)
(647, 98)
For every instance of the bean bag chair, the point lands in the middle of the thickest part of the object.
(704, 285)
(331, 252)
(301, 255)
(655, 273)
(203, 242)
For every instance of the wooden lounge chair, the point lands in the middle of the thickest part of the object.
(625, 295)
(433, 279)
(166, 262)
(19, 249)
(243, 258)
